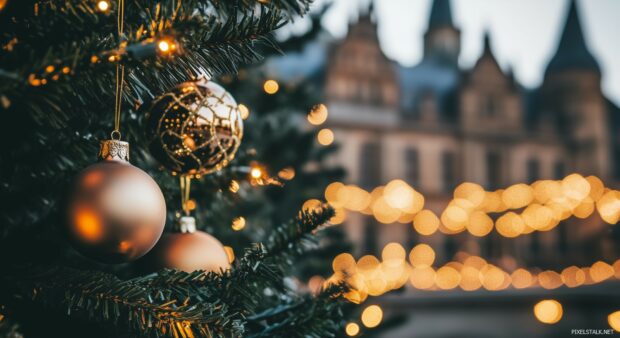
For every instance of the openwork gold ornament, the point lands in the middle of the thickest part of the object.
(195, 129)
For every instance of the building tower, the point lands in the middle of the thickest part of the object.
(442, 40)
(571, 95)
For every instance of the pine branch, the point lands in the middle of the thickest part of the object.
(309, 316)
(208, 40)
(104, 298)
(172, 302)
(299, 231)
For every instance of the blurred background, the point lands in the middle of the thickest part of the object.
(510, 98)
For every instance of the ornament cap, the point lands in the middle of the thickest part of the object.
(187, 224)
(114, 150)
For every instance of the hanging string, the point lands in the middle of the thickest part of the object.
(120, 76)
(185, 183)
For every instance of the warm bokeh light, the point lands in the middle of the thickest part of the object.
(471, 192)
(422, 255)
(344, 263)
(271, 87)
(339, 217)
(576, 187)
(422, 278)
(470, 278)
(103, 5)
(325, 136)
(312, 205)
(287, 174)
(549, 280)
(244, 110)
(393, 254)
(601, 271)
(352, 329)
(372, 316)
(447, 278)
(238, 223)
(521, 279)
(492, 277)
(318, 115)
(614, 321)
(573, 277)
(426, 222)
(315, 283)
(480, 224)
(517, 196)
(548, 311)
(510, 225)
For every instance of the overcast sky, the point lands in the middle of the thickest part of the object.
(524, 33)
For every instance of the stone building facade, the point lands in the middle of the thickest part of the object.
(436, 125)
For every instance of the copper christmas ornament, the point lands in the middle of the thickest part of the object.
(188, 250)
(195, 129)
(116, 212)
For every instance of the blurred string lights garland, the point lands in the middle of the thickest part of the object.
(517, 210)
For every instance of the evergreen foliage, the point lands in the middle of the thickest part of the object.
(51, 131)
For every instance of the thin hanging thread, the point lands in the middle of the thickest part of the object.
(185, 182)
(120, 75)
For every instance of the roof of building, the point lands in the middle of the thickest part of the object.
(429, 76)
(572, 52)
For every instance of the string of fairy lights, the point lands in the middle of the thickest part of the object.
(149, 45)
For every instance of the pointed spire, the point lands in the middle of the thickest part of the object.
(487, 43)
(572, 51)
(367, 13)
(441, 14)
(487, 52)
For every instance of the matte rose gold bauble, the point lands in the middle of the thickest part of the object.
(116, 211)
(189, 251)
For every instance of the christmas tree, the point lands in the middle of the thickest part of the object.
(63, 65)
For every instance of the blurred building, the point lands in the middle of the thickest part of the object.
(436, 125)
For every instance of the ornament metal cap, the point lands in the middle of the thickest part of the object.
(186, 224)
(114, 150)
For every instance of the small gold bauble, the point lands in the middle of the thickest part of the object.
(195, 129)
(188, 251)
(116, 212)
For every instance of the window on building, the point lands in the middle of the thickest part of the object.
(370, 165)
(494, 170)
(559, 170)
(412, 164)
(489, 106)
(449, 171)
(533, 170)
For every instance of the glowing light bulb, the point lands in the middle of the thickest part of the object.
(103, 5)
(163, 46)
(256, 172)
